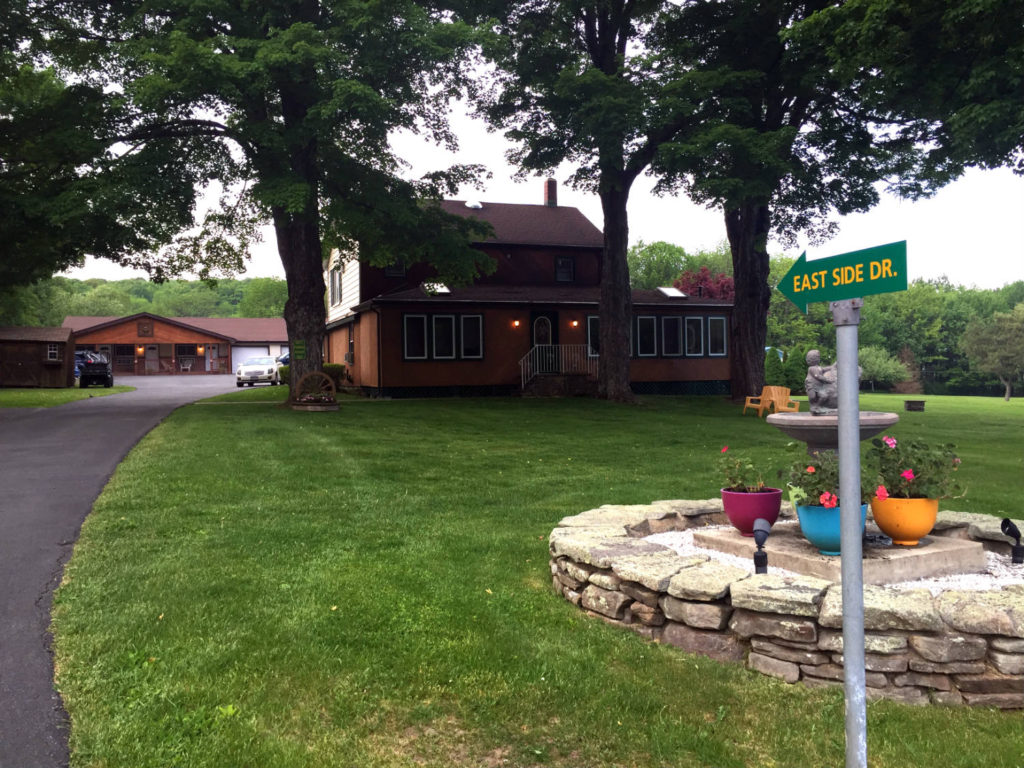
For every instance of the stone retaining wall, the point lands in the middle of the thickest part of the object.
(959, 647)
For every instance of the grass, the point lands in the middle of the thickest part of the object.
(269, 395)
(34, 397)
(260, 587)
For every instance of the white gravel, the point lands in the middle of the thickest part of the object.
(999, 571)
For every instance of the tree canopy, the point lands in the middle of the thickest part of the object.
(996, 345)
(283, 106)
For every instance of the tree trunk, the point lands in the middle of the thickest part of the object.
(616, 303)
(1007, 383)
(298, 243)
(747, 228)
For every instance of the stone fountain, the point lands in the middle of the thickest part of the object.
(819, 429)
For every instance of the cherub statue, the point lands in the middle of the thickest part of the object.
(822, 385)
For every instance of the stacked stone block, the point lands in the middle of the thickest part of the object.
(959, 647)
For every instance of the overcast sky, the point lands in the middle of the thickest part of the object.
(970, 232)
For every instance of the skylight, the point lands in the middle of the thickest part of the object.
(435, 288)
(674, 293)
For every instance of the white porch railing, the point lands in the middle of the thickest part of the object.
(566, 359)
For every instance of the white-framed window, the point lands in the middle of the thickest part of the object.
(335, 286)
(53, 351)
(414, 337)
(443, 327)
(672, 336)
(717, 335)
(694, 336)
(593, 335)
(647, 336)
(472, 337)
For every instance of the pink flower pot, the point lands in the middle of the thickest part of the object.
(743, 509)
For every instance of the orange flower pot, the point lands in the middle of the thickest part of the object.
(905, 521)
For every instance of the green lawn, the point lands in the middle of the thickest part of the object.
(34, 397)
(260, 587)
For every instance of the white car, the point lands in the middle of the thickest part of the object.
(258, 369)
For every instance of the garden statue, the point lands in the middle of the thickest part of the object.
(822, 385)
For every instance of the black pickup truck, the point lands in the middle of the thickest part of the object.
(93, 368)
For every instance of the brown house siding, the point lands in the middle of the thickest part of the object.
(163, 333)
(25, 364)
(504, 346)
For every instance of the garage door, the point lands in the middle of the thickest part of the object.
(240, 354)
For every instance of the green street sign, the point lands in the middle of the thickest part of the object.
(299, 349)
(882, 269)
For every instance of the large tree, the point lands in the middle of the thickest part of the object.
(996, 345)
(285, 105)
(783, 145)
(579, 82)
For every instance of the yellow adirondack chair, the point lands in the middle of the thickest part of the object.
(771, 397)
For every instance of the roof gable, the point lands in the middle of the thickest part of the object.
(235, 329)
(35, 333)
(518, 224)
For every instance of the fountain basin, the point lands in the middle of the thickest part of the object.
(821, 433)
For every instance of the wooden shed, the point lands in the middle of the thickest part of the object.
(36, 357)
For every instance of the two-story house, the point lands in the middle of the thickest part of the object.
(402, 333)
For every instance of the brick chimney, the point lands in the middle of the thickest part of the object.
(551, 193)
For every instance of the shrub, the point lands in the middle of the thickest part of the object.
(337, 373)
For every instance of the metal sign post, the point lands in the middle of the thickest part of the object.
(843, 280)
(846, 316)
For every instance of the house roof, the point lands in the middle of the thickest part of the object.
(516, 224)
(542, 294)
(236, 329)
(27, 333)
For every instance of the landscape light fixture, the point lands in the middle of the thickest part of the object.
(761, 530)
(1016, 551)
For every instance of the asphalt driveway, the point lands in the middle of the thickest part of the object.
(53, 464)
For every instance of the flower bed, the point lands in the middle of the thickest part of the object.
(954, 647)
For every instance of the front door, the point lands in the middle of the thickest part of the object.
(152, 358)
(544, 327)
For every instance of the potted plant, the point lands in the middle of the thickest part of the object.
(745, 497)
(814, 491)
(912, 477)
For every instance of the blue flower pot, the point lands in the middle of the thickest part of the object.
(820, 526)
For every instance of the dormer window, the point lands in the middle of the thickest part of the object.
(565, 269)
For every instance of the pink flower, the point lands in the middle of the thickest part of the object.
(829, 500)
(907, 474)
(812, 470)
(881, 493)
(890, 441)
(725, 448)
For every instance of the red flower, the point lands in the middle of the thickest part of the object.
(725, 448)
(881, 493)
(829, 500)
(811, 469)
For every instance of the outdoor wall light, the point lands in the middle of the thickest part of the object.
(515, 323)
(575, 323)
(761, 530)
(140, 350)
(200, 350)
(1016, 551)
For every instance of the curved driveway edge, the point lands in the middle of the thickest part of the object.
(53, 464)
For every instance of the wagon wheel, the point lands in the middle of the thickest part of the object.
(315, 383)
